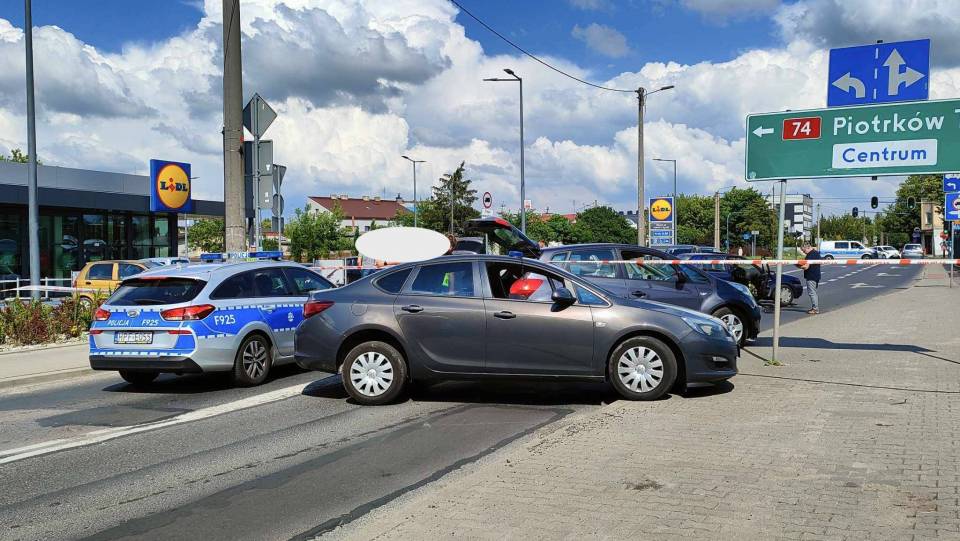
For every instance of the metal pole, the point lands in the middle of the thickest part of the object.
(523, 185)
(640, 204)
(33, 230)
(675, 216)
(451, 207)
(776, 297)
(235, 216)
(716, 220)
(255, 162)
(416, 207)
(818, 226)
(727, 242)
(186, 237)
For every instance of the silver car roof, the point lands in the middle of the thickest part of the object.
(211, 271)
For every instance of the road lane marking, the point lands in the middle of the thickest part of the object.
(100, 436)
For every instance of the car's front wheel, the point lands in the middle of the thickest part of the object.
(138, 377)
(642, 368)
(734, 322)
(786, 296)
(374, 373)
(828, 257)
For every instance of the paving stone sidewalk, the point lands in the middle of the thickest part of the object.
(856, 437)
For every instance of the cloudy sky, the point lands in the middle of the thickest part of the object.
(358, 83)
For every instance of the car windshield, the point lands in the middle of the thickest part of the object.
(151, 291)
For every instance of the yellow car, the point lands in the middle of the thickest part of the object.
(98, 279)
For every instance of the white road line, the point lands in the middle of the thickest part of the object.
(100, 436)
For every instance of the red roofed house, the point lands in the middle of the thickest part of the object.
(360, 212)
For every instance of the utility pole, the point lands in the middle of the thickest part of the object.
(33, 228)
(716, 220)
(235, 216)
(641, 94)
(818, 225)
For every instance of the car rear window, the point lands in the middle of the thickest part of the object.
(393, 282)
(143, 292)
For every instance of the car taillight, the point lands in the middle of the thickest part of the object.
(188, 313)
(313, 308)
(101, 315)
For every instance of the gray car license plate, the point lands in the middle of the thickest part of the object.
(127, 337)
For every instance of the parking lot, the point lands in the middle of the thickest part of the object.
(853, 437)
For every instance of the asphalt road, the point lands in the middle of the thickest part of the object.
(843, 286)
(193, 457)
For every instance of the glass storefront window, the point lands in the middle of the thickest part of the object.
(95, 237)
(10, 246)
(117, 235)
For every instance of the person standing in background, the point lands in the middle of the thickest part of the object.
(811, 275)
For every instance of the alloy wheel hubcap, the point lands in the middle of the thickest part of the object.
(640, 369)
(371, 373)
(254, 359)
(734, 324)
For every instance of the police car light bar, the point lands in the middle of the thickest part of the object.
(241, 256)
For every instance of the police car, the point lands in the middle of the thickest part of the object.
(224, 316)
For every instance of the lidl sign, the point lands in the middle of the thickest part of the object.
(662, 218)
(170, 189)
(661, 209)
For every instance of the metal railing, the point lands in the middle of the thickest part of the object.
(11, 288)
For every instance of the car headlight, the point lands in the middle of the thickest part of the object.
(713, 329)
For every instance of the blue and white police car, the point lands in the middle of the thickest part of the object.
(226, 316)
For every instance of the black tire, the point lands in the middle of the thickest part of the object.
(386, 376)
(828, 257)
(865, 256)
(786, 296)
(138, 377)
(734, 322)
(632, 374)
(254, 359)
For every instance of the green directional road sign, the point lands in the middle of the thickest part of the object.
(870, 140)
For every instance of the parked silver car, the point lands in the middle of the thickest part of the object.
(912, 251)
(486, 316)
(216, 317)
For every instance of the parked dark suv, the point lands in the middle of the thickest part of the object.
(646, 277)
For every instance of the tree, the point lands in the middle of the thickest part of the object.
(17, 156)
(314, 234)
(845, 227)
(554, 229)
(749, 211)
(206, 235)
(695, 224)
(899, 220)
(603, 224)
(434, 212)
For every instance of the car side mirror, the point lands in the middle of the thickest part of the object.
(563, 295)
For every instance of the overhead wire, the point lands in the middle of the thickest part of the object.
(531, 55)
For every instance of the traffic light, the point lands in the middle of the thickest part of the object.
(874, 202)
(856, 212)
(911, 202)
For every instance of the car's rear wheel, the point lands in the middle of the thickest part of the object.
(253, 362)
(86, 304)
(786, 296)
(138, 377)
(828, 257)
(642, 368)
(374, 373)
(733, 321)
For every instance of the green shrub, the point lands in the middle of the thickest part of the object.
(32, 322)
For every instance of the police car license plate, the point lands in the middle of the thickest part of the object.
(126, 337)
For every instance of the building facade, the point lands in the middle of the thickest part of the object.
(798, 214)
(360, 214)
(84, 216)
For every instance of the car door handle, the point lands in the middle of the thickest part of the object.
(505, 315)
(412, 308)
(87, 283)
(638, 293)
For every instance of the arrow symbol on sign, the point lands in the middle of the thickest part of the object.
(907, 78)
(761, 131)
(848, 82)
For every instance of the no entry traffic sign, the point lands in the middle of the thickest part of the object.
(487, 200)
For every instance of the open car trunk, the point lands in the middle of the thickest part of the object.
(500, 237)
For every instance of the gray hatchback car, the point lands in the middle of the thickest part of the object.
(484, 316)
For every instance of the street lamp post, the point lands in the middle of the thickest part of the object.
(33, 209)
(716, 218)
(523, 187)
(416, 206)
(641, 102)
(675, 217)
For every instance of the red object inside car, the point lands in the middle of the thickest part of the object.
(525, 287)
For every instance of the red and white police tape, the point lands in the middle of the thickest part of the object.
(703, 262)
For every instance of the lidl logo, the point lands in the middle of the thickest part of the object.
(661, 209)
(170, 191)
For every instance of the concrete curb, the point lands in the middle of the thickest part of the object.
(44, 377)
(44, 348)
